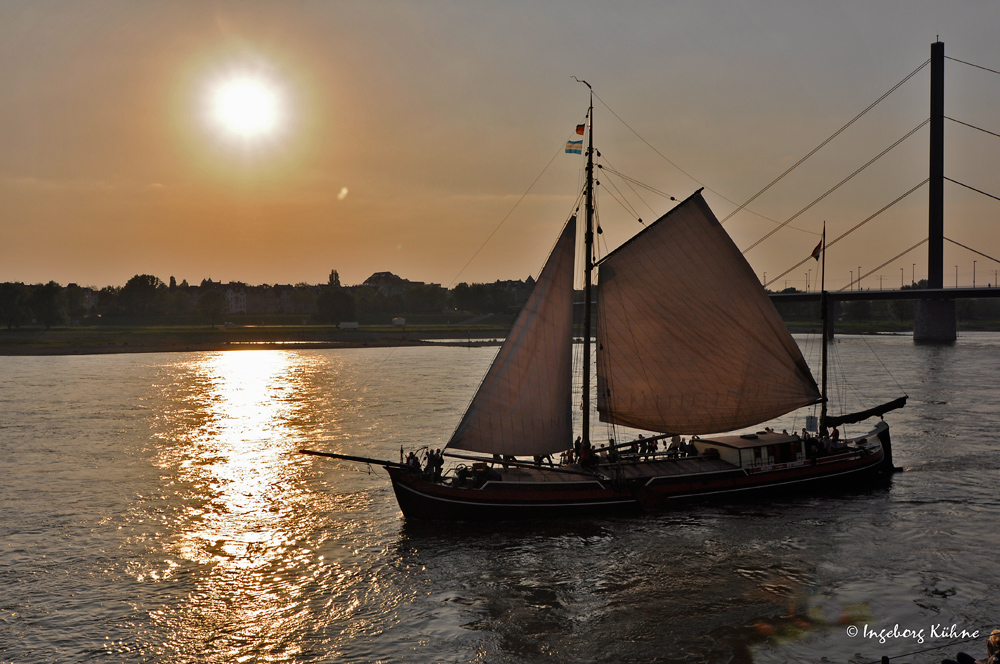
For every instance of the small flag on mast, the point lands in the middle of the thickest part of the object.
(574, 147)
(818, 250)
(580, 129)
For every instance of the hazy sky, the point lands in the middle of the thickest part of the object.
(406, 132)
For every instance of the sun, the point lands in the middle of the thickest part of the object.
(247, 107)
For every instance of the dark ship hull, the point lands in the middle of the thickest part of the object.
(493, 494)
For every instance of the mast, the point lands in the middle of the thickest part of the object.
(824, 313)
(588, 269)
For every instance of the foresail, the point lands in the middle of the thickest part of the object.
(688, 341)
(523, 406)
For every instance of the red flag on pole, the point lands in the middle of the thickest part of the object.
(818, 250)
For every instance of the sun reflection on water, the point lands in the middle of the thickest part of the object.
(258, 553)
(238, 531)
(236, 456)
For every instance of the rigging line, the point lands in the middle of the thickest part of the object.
(650, 145)
(392, 349)
(901, 388)
(642, 184)
(856, 227)
(611, 169)
(985, 131)
(968, 187)
(897, 256)
(666, 159)
(628, 206)
(995, 260)
(629, 178)
(972, 65)
(821, 145)
(510, 212)
(849, 387)
(839, 184)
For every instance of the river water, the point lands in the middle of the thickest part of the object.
(153, 508)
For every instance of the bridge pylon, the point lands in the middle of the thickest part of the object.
(935, 321)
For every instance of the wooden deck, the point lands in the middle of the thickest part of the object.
(629, 471)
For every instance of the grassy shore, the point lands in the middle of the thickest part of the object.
(158, 339)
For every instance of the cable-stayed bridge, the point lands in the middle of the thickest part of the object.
(935, 321)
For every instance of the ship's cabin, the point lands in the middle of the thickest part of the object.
(764, 448)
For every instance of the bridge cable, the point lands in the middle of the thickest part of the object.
(838, 185)
(821, 145)
(972, 65)
(973, 126)
(897, 256)
(856, 227)
(995, 260)
(968, 187)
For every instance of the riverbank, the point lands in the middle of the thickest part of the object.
(165, 339)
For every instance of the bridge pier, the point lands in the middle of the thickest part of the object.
(935, 322)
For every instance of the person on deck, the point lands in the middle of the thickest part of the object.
(438, 465)
(612, 451)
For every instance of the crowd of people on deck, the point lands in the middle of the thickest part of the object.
(433, 466)
(640, 449)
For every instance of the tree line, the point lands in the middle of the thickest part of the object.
(146, 299)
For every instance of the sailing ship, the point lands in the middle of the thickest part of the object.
(687, 343)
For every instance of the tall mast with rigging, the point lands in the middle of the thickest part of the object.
(825, 316)
(588, 269)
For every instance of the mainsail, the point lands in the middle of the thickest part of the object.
(688, 341)
(523, 406)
